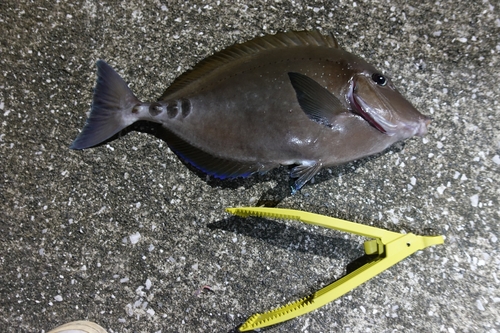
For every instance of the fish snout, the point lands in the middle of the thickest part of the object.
(423, 126)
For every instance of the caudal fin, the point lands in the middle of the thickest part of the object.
(112, 104)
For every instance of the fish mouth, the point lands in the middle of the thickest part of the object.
(361, 108)
(422, 130)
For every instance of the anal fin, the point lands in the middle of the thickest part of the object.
(218, 167)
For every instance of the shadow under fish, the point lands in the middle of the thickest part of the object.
(290, 99)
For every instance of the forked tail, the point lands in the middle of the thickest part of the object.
(111, 111)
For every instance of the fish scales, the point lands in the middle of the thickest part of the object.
(256, 102)
(292, 98)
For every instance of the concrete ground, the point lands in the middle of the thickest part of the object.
(125, 235)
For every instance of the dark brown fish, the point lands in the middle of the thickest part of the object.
(292, 98)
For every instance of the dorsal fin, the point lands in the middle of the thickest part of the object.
(256, 45)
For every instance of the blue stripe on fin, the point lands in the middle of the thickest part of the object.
(304, 173)
(214, 166)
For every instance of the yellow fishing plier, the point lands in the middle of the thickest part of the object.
(387, 248)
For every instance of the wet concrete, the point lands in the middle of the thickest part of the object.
(125, 235)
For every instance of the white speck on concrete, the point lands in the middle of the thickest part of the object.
(474, 200)
(496, 159)
(103, 208)
(194, 267)
(479, 305)
(58, 298)
(129, 310)
(235, 239)
(462, 40)
(134, 238)
(413, 181)
(441, 189)
(151, 312)
(139, 291)
(306, 325)
(124, 280)
(148, 284)
(83, 268)
(493, 238)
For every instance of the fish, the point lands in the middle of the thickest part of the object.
(290, 99)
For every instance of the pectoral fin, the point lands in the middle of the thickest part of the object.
(317, 102)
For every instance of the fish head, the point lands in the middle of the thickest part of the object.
(373, 96)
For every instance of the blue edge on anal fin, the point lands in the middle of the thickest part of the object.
(214, 166)
(229, 169)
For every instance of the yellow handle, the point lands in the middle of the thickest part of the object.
(316, 219)
(394, 252)
(391, 248)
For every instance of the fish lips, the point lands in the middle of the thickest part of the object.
(384, 108)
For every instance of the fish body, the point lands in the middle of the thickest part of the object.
(293, 98)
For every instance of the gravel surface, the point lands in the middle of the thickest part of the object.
(125, 234)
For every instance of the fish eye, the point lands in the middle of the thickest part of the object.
(379, 79)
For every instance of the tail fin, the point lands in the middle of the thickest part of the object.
(111, 108)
